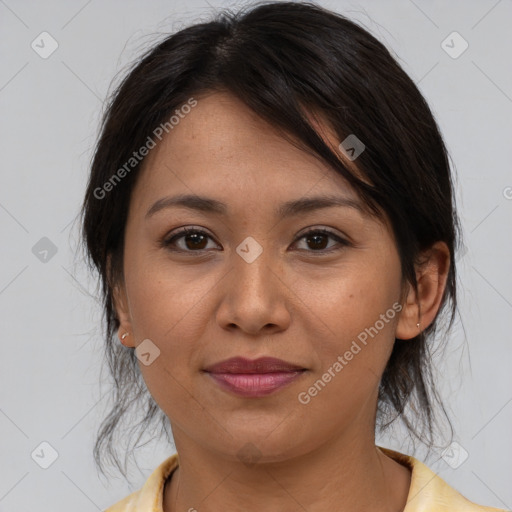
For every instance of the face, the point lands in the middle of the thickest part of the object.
(317, 287)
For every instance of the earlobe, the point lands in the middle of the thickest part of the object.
(120, 305)
(421, 306)
(123, 338)
(123, 314)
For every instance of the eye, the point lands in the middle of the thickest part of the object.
(193, 240)
(317, 238)
(196, 240)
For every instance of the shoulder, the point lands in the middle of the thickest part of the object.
(429, 492)
(149, 496)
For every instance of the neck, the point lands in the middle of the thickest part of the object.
(352, 476)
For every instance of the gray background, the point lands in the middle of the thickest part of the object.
(51, 346)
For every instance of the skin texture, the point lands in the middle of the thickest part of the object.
(296, 301)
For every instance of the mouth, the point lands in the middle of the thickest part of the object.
(254, 378)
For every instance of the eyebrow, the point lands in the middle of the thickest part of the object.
(287, 209)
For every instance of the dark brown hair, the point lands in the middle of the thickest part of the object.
(285, 60)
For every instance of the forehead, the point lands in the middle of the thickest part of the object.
(221, 143)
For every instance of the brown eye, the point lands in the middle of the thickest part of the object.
(192, 240)
(317, 240)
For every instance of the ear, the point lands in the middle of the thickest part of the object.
(423, 305)
(120, 303)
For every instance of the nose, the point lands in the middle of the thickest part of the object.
(255, 296)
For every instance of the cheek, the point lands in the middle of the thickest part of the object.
(165, 299)
(349, 299)
(353, 335)
(354, 310)
(168, 309)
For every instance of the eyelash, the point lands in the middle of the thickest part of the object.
(168, 241)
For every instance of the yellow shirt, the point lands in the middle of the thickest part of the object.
(427, 493)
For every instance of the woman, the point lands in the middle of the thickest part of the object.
(271, 212)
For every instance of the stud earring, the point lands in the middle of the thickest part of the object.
(124, 336)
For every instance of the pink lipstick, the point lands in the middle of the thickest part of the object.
(254, 378)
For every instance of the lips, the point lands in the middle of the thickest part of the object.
(262, 365)
(258, 378)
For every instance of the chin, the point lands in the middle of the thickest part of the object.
(261, 445)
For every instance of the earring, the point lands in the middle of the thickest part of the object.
(124, 336)
(418, 324)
